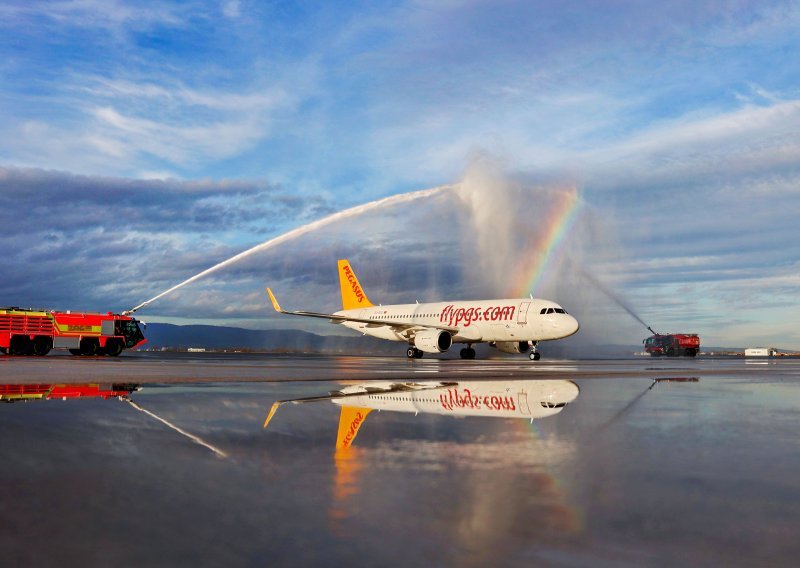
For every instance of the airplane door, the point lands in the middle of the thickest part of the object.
(522, 403)
(522, 314)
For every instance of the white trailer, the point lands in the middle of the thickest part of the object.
(760, 352)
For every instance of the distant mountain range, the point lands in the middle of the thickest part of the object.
(212, 337)
(169, 336)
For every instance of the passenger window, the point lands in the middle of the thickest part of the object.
(544, 311)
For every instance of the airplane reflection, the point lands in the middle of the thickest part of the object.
(519, 460)
(528, 399)
(26, 393)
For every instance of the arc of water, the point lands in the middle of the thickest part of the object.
(607, 291)
(299, 231)
(192, 437)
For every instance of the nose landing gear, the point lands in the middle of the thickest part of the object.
(534, 355)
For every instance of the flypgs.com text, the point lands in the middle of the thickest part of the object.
(453, 316)
(453, 399)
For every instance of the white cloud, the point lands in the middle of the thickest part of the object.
(231, 8)
(114, 15)
(178, 94)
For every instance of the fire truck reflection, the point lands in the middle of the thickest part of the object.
(26, 393)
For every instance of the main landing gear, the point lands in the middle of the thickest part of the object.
(468, 353)
(413, 353)
(534, 355)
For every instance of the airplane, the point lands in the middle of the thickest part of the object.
(529, 399)
(510, 325)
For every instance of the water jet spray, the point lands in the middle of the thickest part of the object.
(617, 300)
(299, 231)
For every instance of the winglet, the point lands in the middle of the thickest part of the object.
(275, 303)
(272, 412)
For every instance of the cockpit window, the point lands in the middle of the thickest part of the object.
(553, 311)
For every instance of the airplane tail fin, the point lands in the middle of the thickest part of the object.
(353, 296)
(350, 421)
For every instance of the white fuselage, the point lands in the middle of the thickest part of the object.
(501, 399)
(477, 321)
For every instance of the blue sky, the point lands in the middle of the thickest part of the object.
(142, 142)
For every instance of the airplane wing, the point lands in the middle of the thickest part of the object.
(400, 326)
(363, 390)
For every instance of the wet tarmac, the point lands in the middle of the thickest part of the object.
(162, 460)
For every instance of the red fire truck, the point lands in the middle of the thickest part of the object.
(672, 345)
(36, 332)
(24, 393)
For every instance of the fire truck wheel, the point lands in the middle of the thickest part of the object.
(75, 351)
(20, 345)
(113, 347)
(42, 346)
(89, 346)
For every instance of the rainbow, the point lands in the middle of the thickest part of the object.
(547, 243)
(569, 517)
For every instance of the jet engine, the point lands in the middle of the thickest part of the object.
(513, 347)
(433, 340)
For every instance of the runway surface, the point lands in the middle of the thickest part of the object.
(161, 459)
(213, 367)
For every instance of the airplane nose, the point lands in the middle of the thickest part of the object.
(572, 326)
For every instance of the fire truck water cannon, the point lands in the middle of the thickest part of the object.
(36, 332)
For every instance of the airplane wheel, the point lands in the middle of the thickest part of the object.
(467, 353)
(411, 353)
(418, 354)
(535, 356)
